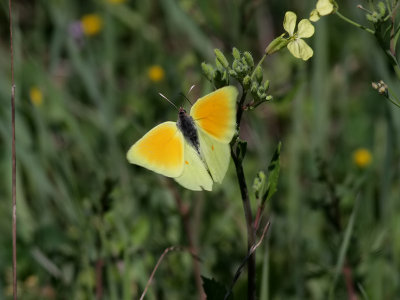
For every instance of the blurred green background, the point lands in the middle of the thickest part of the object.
(88, 74)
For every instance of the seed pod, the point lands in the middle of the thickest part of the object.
(249, 59)
(266, 85)
(208, 71)
(221, 58)
(258, 73)
(246, 82)
(236, 53)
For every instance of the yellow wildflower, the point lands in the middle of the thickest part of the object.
(31, 282)
(323, 8)
(156, 73)
(362, 157)
(36, 96)
(305, 29)
(91, 24)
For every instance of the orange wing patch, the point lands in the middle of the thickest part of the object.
(160, 150)
(215, 113)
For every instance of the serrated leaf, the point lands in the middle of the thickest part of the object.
(214, 290)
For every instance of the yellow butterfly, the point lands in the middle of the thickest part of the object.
(194, 150)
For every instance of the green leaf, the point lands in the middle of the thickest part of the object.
(214, 290)
(396, 36)
(259, 184)
(273, 174)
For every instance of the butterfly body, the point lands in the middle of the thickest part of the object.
(194, 150)
(188, 128)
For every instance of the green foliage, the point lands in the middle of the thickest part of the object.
(264, 187)
(84, 213)
(273, 174)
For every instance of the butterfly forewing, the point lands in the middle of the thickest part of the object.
(215, 113)
(160, 150)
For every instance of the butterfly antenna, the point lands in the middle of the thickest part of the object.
(191, 88)
(184, 96)
(168, 100)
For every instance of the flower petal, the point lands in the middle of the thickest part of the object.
(300, 49)
(324, 7)
(289, 23)
(305, 29)
(314, 16)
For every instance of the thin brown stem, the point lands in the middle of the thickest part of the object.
(166, 251)
(348, 277)
(14, 160)
(183, 211)
(249, 254)
(258, 216)
(99, 279)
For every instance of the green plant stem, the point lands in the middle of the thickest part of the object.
(259, 63)
(240, 110)
(251, 266)
(397, 70)
(392, 98)
(14, 163)
(393, 101)
(354, 23)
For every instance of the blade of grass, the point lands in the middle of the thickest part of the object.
(14, 162)
(344, 247)
(182, 22)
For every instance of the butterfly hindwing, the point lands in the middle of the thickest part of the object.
(160, 150)
(216, 154)
(194, 176)
(215, 113)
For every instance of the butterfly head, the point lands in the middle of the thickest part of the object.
(182, 112)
